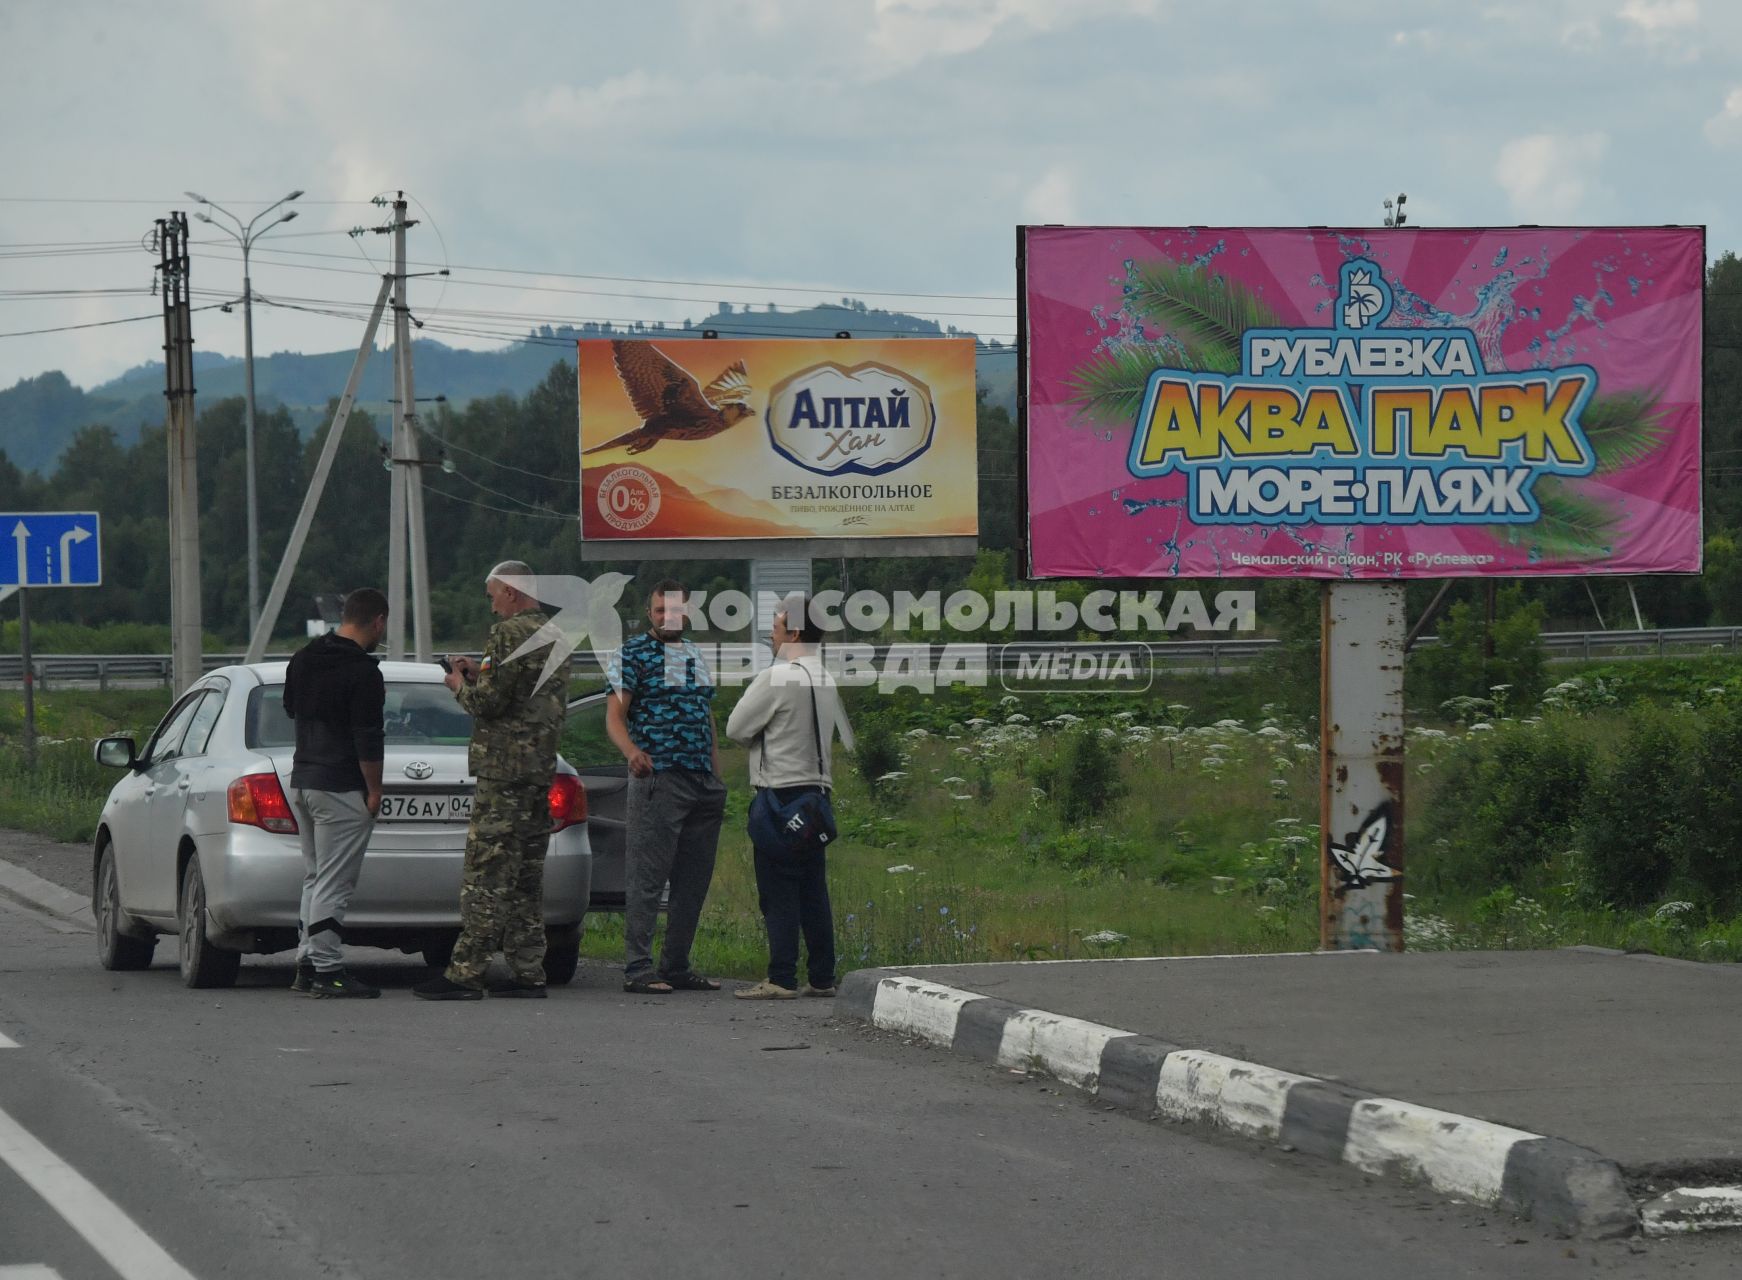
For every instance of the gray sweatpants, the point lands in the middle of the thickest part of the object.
(673, 833)
(334, 826)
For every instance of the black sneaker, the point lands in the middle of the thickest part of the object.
(439, 988)
(339, 985)
(305, 977)
(520, 991)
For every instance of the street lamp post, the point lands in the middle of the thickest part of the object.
(245, 235)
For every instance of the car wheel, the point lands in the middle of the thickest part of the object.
(202, 964)
(561, 958)
(115, 949)
(437, 954)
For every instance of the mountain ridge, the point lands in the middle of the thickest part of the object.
(40, 415)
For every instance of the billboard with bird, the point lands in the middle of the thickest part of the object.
(771, 438)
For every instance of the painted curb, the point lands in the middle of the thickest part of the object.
(1689, 1209)
(1566, 1187)
(44, 895)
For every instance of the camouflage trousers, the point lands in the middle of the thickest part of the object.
(502, 888)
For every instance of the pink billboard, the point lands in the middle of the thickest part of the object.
(1324, 403)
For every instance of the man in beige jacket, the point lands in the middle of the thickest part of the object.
(788, 718)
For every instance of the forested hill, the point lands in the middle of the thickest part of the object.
(39, 416)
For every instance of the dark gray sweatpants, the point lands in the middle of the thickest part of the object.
(335, 827)
(673, 833)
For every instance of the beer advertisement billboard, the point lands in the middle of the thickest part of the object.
(769, 439)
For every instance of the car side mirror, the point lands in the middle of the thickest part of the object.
(115, 753)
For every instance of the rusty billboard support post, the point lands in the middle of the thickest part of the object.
(1361, 762)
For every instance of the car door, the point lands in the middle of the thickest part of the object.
(605, 775)
(202, 775)
(146, 868)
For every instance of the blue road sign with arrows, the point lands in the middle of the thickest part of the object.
(50, 549)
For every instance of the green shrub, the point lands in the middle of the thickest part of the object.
(1458, 664)
(1082, 779)
(877, 752)
(1506, 803)
(1712, 857)
(1639, 814)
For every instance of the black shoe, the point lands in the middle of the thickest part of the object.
(305, 977)
(339, 985)
(520, 991)
(439, 988)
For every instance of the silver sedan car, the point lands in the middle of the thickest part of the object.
(199, 839)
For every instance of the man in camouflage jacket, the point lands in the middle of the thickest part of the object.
(516, 722)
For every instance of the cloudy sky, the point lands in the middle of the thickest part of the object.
(600, 159)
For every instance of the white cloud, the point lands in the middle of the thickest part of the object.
(906, 32)
(594, 107)
(1052, 199)
(1652, 16)
(1725, 128)
(1582, 36)
(1548, 176)
(1670, 28)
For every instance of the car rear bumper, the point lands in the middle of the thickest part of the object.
(410, 880)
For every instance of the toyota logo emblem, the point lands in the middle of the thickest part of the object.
(418, 770)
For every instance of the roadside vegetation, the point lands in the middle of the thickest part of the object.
(975, 826)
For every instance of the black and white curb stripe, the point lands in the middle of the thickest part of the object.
(1688, 1209)
(1561, 1185)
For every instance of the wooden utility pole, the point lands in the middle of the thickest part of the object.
(184, 481)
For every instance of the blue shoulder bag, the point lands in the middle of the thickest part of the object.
(805, 823)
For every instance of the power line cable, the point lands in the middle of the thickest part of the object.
(263, 251)
(95, 324)
(832, 290)
(536, 515)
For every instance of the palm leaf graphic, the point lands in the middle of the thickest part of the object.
(1204, 313)
(1572, 524)
(1110, 385)
(1623, 428)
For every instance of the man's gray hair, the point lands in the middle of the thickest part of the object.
(509, 569)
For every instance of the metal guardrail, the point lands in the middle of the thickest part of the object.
(1213, 655)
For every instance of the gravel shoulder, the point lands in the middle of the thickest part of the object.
(68, 865)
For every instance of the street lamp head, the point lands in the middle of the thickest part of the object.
(196, 197)
(294, 194)
(287, 217)
(202, 216)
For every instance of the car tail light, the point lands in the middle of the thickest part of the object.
(256, 800)
(568, 801)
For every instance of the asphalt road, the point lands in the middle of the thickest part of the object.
(253, 1133)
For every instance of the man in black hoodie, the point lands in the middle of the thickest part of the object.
(335, 694)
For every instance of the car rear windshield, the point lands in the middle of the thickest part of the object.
(414, 714)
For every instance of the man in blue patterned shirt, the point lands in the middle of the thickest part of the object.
(660, 716)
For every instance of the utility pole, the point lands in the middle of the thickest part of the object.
(184, 486)
(245, 235)
(405, 503)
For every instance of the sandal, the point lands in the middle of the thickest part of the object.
(648, 987)
(692, 982)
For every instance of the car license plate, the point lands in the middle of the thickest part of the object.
(426, 807)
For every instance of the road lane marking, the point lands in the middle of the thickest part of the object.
(6, 1044)
(102, 1223)
(29, 1271)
